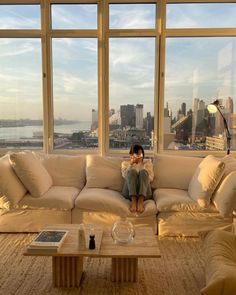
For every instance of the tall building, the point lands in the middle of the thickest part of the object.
(139, 116)
(127, 115)
(229, 105)
(219, 126)
(94, 124)
(198, 113)
(183, 108)
(149, 124)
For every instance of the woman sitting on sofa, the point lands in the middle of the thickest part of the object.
(138, 173)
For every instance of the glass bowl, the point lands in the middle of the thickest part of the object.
(122, 231)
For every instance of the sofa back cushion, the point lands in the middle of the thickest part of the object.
(12, 189)
(104, 172)
(31, 172)
(173, 171)
(230, 165)
(66, 170)
(205, 180)
(224, 197)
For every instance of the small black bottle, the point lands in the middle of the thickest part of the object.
(92, 242)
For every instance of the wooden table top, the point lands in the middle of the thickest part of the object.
(144, 244)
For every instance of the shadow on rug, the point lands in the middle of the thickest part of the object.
(180, 271)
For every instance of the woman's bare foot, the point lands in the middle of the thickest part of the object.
(133, 205)
(140, 204)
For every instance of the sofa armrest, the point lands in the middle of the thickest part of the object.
(225, 196)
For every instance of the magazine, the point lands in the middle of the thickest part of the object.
(49, 239)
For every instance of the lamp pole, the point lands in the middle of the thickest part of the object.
(228, 135)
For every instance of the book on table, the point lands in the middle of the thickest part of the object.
(48, 240)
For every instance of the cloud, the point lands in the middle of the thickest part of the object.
(127, 16)
(74, 16)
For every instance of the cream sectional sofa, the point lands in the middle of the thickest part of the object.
(76, 189)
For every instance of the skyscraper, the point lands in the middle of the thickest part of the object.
(183, 108)
(94, 124)
(139, 116)
(127, 115)
(229, 105)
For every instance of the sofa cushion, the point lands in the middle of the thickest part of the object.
(173, 171)
(220, 263)
(66, 170)
(57, 197)
(230, 165)
(106, 200)
(12, 189)
(168, 200)
(205, 180)
(224, 197)
(104, 172)
(31, 172)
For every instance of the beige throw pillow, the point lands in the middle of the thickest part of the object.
(12, 189)
(220, 262)
(104, 172)
(205, 180)
(31, 172)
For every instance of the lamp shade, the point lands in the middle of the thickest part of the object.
(212, 108)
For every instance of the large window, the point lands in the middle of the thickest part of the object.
(198, 71)
(97, 76)
(132, 75)
(21, 116)
(132, 64)
(75, 93)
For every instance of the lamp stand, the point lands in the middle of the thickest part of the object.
(227, 132)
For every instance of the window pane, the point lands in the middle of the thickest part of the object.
(74, 16)
(132, 16)
(208, 15)
(131, 70)
(19, 16)
(198, 71)
(20, 94)
(75, 93)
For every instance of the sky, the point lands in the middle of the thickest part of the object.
(195, 67)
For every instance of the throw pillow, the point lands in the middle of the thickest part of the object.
(220, 260)
(12, 189)
(224, 197)
(205, 180)
(31, 172)
(104, 172)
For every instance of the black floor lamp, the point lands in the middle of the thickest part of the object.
(213, 108)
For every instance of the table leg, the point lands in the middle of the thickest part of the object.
(124, 269)
(67, 271)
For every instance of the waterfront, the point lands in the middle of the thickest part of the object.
(26, 132)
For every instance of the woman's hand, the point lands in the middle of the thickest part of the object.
(135, 160)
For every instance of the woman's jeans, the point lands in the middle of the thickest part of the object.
(137, 184)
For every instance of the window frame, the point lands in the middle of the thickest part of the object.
(103, 33)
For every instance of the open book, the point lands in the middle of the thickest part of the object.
(48, 239)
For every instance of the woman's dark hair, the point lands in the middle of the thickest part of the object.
(135, 148)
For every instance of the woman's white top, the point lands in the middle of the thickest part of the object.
(145, 164)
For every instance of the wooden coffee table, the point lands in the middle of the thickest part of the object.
(67, 264)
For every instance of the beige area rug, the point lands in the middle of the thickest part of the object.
(180, 271)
